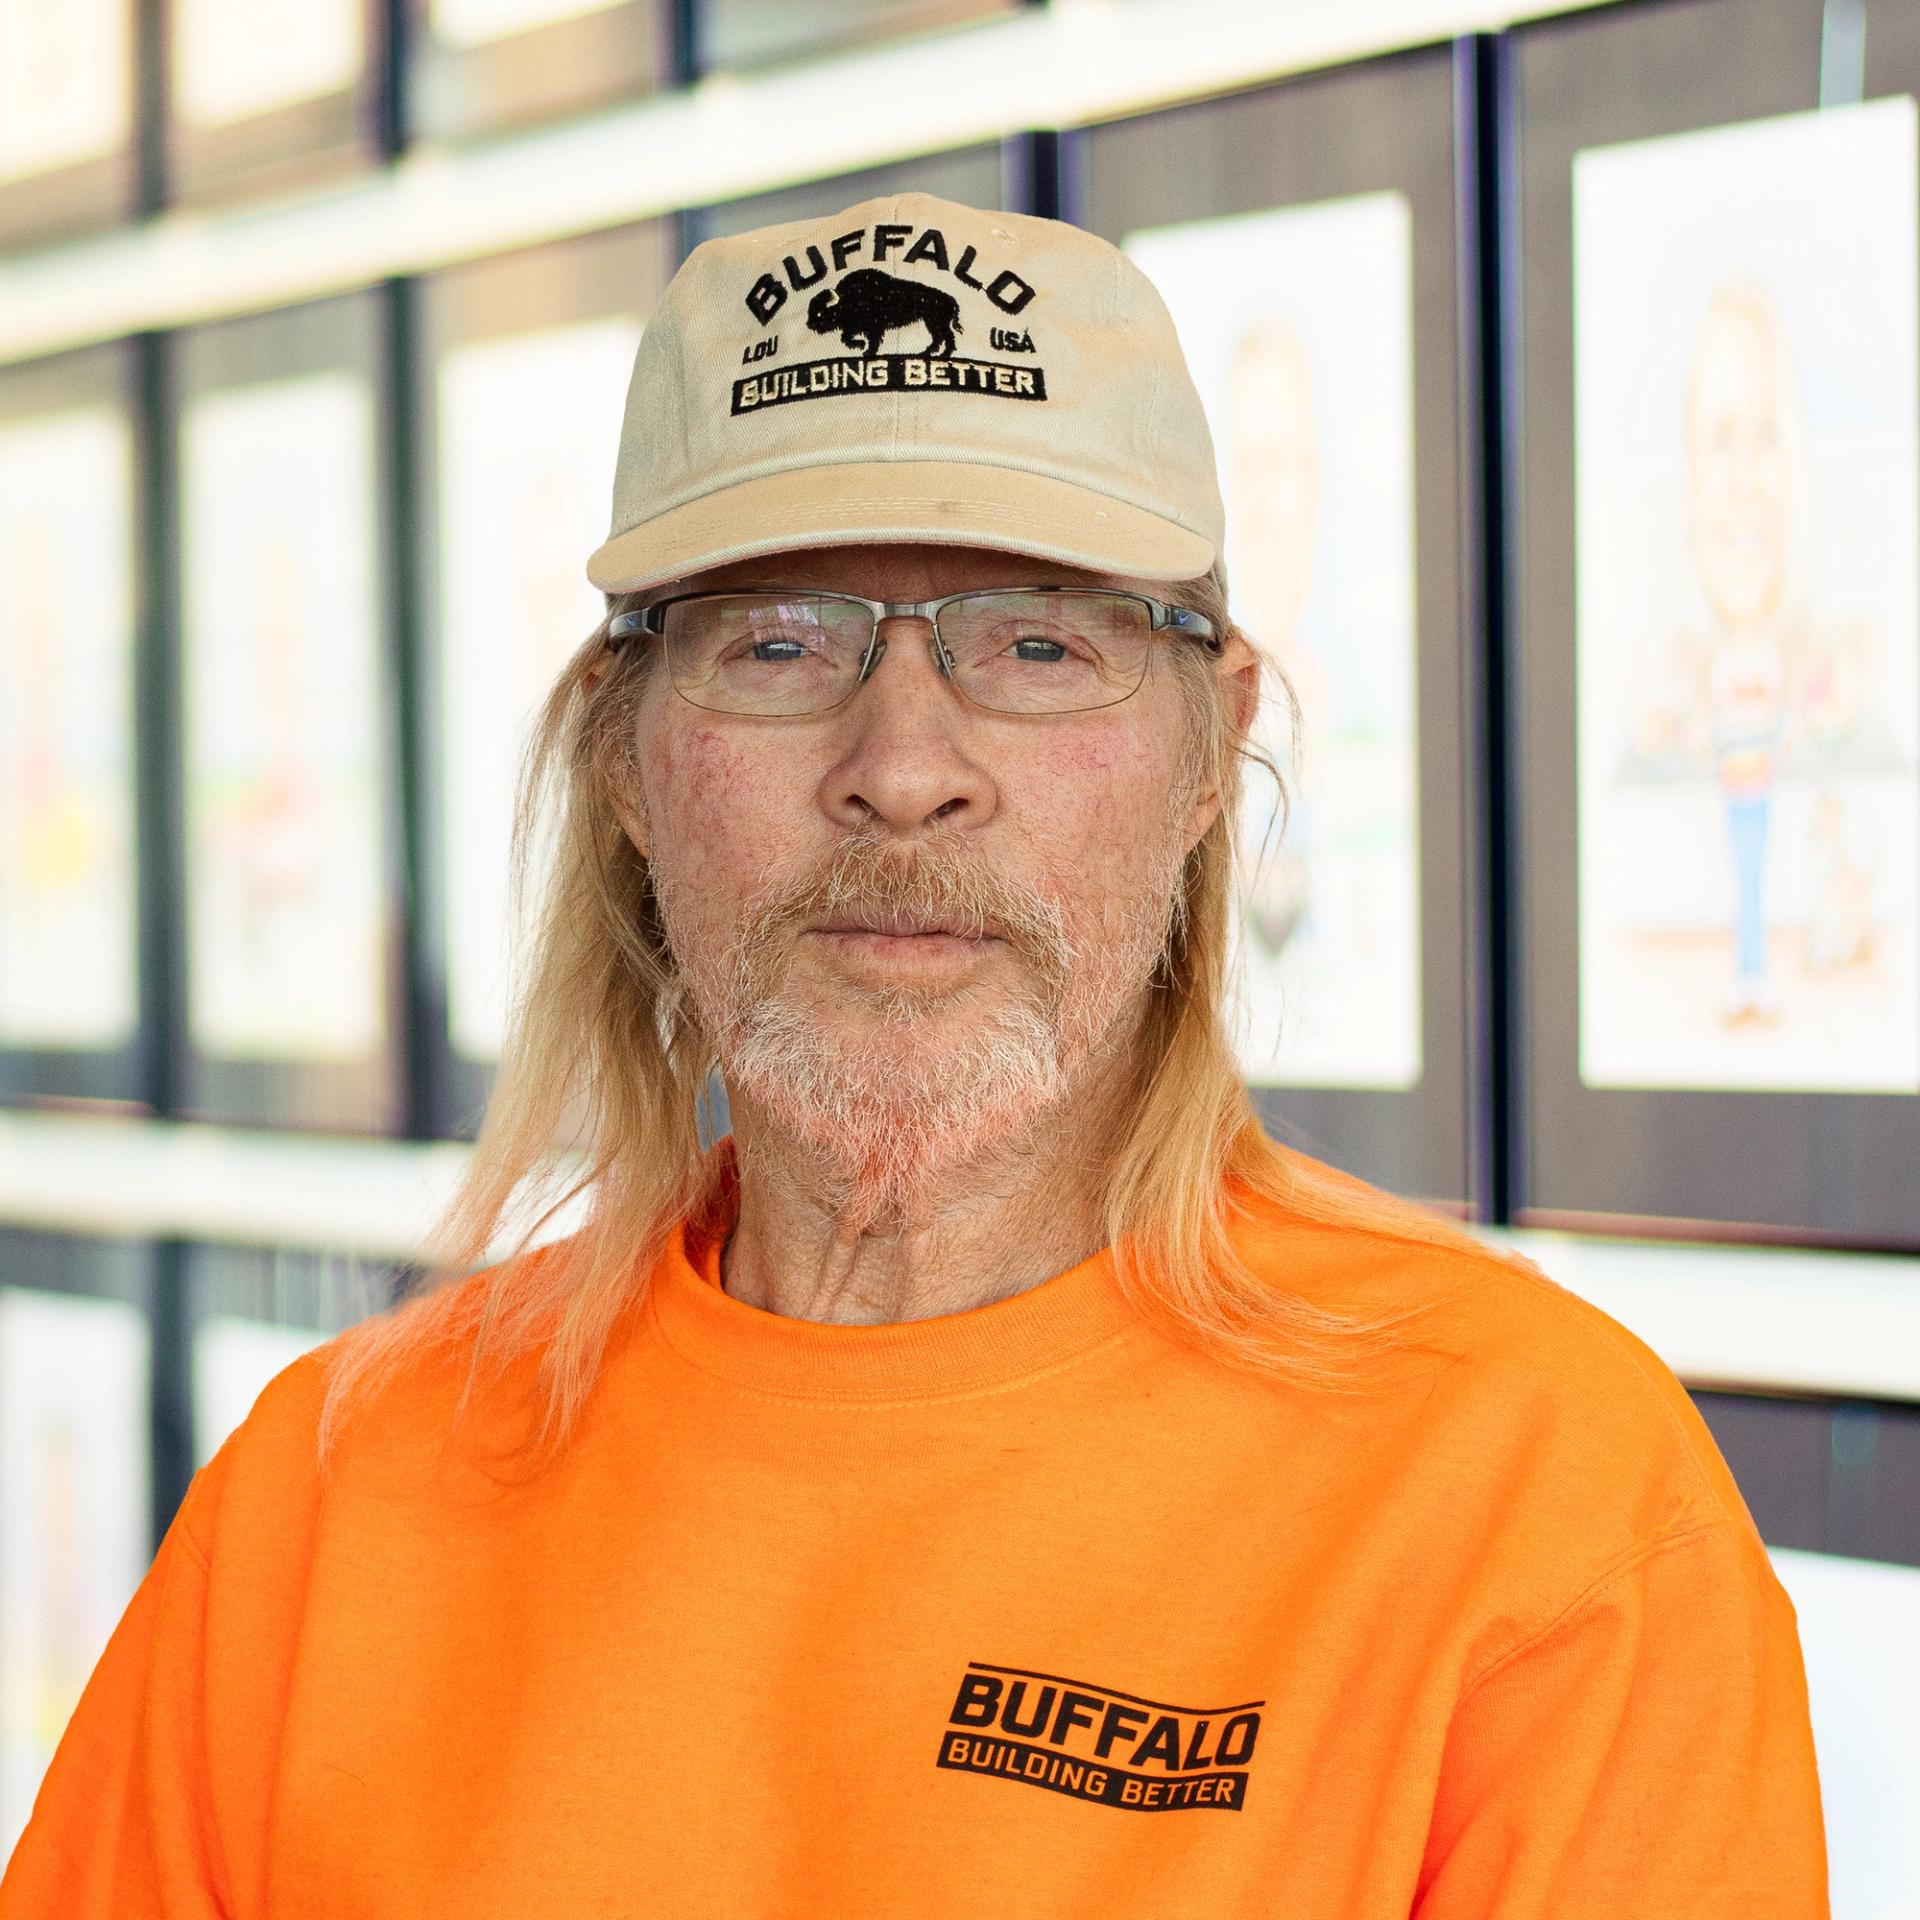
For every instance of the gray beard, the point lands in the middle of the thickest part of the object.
(889, 1124)
(890, 1118)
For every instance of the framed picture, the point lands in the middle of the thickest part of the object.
(1717, 547)
(526, 362)
(1314, 279)
(69, 145)
(293, 975)
(71, 1022)
(1747, 612)
(483, 66)
(76, 1484)
(1298, 325)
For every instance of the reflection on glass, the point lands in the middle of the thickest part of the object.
(67, 958)
(76, 1523)
(1297, 325)
(284, 914)
(66, 82)
(470, 23)
(1748, 474)
(529, 431)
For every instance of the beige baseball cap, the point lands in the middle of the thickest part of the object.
(911, 369)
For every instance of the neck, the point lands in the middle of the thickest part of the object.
(979, 1231)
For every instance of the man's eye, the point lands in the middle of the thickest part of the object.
(1033, 648)
(778, 650)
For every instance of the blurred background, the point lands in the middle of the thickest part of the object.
(1563, 366)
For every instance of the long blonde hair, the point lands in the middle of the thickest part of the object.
(599, 1050)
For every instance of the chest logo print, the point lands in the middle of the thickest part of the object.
(1093, 1743)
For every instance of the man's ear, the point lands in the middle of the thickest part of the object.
(1239, 667)
(1239, 671)
(626, 810)
(631, 824)
(629, 810)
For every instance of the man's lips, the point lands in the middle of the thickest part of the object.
(897, 941)
(901, 927)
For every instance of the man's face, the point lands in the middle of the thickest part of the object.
(1737, 467)
(908, 923)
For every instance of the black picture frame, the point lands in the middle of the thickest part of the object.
(1817, 1168)
(1404, 122)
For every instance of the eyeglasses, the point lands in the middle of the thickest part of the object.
(1018, 650)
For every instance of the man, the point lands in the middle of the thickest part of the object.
(994, 1479)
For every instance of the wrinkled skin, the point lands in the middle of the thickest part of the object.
(1082, 819)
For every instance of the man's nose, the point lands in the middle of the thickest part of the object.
(907, 760)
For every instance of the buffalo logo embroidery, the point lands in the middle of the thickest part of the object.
(868, 303)
(1093, 1743)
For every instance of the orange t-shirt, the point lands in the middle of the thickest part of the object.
(1026, 1610)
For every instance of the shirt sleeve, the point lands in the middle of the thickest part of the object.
(1649, 1751)
(122, 1825)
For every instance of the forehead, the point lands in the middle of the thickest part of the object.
(902, 570)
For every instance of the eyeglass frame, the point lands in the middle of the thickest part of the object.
(1163, 615)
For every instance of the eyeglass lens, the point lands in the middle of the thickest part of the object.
(1012, 652)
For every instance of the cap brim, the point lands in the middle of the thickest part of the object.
(957, 503)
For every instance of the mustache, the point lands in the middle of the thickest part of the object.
(940, 882)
